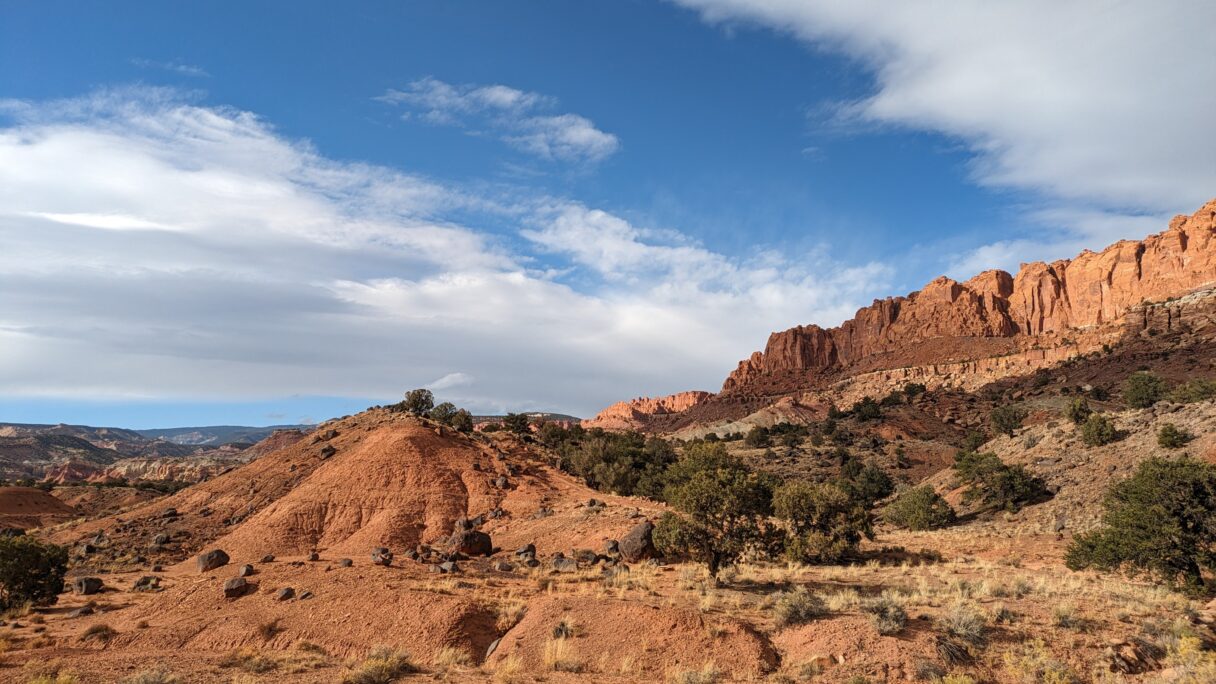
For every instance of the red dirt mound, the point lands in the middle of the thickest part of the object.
(26, 507)
(640, 641)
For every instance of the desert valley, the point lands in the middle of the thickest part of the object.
(828, 515)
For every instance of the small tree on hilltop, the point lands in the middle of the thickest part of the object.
(517, 423)
(825, 522)
(1143, 389)
(867, 409)
(419, 402)
(462, 420)
(919, 508)
(443, 413)
(1160, 522)
(724, 504)
(30, 571)
(1007, 419)
(995, 483)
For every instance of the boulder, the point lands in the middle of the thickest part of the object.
(472, 543)
(503, 566)
(382, 556)
(447, 567)
(245, 571)
(146, 583)
(81, 612)
(87, 585)
(526, 550)
(268, 558)
(236, 587)
(638, 544)
(285, 594)
(314, 557)
(345, 563)
(211, 560)
(562, 564)
(328, 450)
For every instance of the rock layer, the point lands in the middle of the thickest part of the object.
(991, 315)
(627, 415)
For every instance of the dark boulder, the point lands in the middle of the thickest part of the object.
(345, 563)
(236, 587)
(146, 583)
(212, 560)
(268, 558)
(382, 556)
(245, 571)
(87, 585)
(472, 543)
(565, 565)
(529, 549)
(638, 544)
(285, 594)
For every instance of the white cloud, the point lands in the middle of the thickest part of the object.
(517, 117)
(1102, 110)
(157, 248)
(172, 66)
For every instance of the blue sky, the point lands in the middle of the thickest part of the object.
(260, 212)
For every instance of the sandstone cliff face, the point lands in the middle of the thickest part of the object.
(1039, 312)
(629, 415)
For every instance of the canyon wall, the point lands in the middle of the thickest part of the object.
(966, 334)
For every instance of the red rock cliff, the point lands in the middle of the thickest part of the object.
(991, 314)
(628, 415)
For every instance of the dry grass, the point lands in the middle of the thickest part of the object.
(157, 676)
(99, 632)
(381, 666)
(249, 660)
(708, 674)
(559, 656)
(797, 607)
(269, 630)
(450, 657)
(510, 670)
(510, 612)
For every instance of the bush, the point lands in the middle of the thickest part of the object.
(867, 409)
(1098, 430)
(31, 571)
(887, 615)
(1171, 436)
(725, 506)
(443, 413)
(626, 463)
(919, 508)
(1078, 410)
(418, 402)
(825, 523)
(517, 423)
(1160, 522)
(1007, 419)
(996, 484)
(1143, 389)
(462, 420)
(797, 607)
(382, 666)
(757, 438)
(1192, 391)
(867, 484)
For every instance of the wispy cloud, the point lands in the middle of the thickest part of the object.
(158, 248)
(524, 120)
(172, 66)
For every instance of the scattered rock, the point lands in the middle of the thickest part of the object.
(146, 583)
(81, 612)
(268, 558)
(472, 543)
(562, 564)
(529, 549)
(382, 556)
(305, 595)
(448, 567)
(637, 544)
(345, 563)
(87, 585)
(245, 571)
(211, 560)
(503, 566)
(328, 450)
(236, 587)
(314, 557)
(285, 594)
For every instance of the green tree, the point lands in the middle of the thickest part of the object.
(725, 507)
(1171, 436)
(1143, 389)
(919, 508)
(462, 420)
(1078, 410)
(912, 389)
(1098, 430)
(996, 484)
(419, 402)
(758, 438)
(443, 413)
(31, 571)
(825, 523)
(1007, 419)
(867, 409)
(867, 483)
(517, 423)
(1160, 522)
(1194, 390)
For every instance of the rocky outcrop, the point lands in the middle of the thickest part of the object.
(994, 314)
(629, 415)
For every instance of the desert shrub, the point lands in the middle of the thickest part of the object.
(1192, 391)
(996, 484)
(725, 506)
(887, 615)
(825, 523)
(443, 413)
(1160, 522)
(866, 483)
(974, 440)
(919, 508)
(462, 420)
(895, 398)
(866, 409)
(1078, 410)
(31, 571)
(1032, 663)
(1007, 419)
(1143, 389)
(381, 666)
(758, 438)
(517, 423)
(418, 402)
(627, 463)
(1171, 436)
(99, 632)
(559, 656)
(965, 624)
(1098, 430)
(157, 676)
(797, 607)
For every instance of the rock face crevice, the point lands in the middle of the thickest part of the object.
(992, 314)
